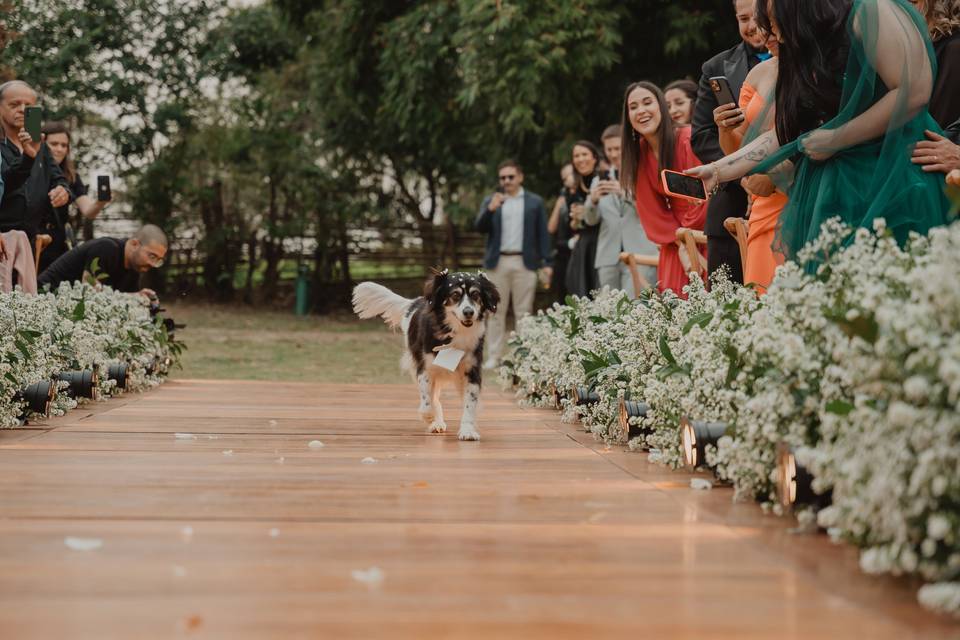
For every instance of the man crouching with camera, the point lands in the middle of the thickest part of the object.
(111, 261)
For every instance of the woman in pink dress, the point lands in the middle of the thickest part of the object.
(651, 143)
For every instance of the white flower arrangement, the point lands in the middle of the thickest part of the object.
(74, 328)
(855, 366)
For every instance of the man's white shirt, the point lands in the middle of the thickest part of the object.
(511, 223)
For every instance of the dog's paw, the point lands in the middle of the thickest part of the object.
(437, 426)
(468, 433)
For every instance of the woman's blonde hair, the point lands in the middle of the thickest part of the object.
(943, 17)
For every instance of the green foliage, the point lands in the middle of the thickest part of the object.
(254, 128)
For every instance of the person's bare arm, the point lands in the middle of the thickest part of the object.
(553, 224)
(736, 165)
(903, 66)
(90, 208)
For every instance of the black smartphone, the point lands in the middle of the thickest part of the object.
(683, 186)
(609, 174)
(33, 122)
(103, 189)
(500, 190)
(721, 89)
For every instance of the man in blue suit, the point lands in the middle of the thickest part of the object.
(517, 246)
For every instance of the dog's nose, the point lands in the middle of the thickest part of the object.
(469, 312)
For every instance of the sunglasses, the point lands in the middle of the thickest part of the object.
(507, 178)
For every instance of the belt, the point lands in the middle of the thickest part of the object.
(511, 253)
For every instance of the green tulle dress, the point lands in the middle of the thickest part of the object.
(869, 175)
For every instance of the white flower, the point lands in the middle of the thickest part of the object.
(938, 527)
(942, 596)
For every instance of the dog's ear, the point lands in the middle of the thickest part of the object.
(489, 293)
(434, 286)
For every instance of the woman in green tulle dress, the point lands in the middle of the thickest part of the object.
(851, 101)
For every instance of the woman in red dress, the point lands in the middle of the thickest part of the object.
(651, 143)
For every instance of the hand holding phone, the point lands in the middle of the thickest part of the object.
(683, 186)
(721, 89)
(728, 117)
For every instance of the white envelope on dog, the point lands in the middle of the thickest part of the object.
(449, 358)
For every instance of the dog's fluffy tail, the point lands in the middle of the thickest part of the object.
(371, 299)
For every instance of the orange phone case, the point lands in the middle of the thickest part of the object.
(663, 181)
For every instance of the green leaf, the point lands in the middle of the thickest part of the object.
(80, 311)
(22, 347)
(598, 319)
(697, 320)
(665, 350)
(839, 407)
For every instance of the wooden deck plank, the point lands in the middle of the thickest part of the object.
(534, 532)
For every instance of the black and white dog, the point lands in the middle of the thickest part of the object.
(444, 331)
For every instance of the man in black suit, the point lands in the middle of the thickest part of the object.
(518, 245)
(731, 200)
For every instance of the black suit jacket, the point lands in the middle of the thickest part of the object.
(731, 201)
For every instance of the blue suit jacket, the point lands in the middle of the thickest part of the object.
(536, 240)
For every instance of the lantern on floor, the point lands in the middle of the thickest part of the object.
(81, 383)
(583, 396)
(795, 483)
(38, 397)
(118, 373)
(695, 436)
(631, 409)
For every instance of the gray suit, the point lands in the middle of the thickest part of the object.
(620, 230)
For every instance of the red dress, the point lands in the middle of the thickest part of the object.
(662, 215)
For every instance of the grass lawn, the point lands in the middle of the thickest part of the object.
(242, 343)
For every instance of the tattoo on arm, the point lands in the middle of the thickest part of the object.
(756, 155)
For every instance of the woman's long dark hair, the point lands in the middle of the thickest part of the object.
(813, 57)
(69, 169)
(630, 141)
(583, 182)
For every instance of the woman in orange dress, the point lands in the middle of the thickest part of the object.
(766, 202)
(652, 142)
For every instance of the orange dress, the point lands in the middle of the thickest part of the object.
(762, 260)
(661, 215)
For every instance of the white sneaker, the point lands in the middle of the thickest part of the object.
(491, 363)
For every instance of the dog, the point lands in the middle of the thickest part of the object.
(451, 315)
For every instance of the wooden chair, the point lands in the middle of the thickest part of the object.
(633, 262)
(689, 241)
(739, 228)
(41, 242)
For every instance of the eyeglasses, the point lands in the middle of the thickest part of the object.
(154, 260)
(508, 178)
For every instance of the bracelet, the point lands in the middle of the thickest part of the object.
(716, 177)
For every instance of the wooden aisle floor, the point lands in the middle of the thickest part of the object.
(236, 528)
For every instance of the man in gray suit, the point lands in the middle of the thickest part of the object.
(620, 228)
(518, 245)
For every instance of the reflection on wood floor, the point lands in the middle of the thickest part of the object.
(212, 516)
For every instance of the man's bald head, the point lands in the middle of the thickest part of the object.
(151, 234)
(147, 248)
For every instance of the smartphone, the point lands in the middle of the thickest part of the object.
(103, 189)
(683, 186)
(33, 121)
(610, 174)
(721, 88)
